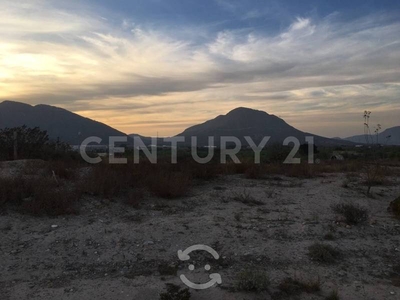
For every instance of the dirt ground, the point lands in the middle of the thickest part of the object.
(113, 251)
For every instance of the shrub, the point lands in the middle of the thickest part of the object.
(134, 197)
(174, 292)
(203, 171)
(375, 175)
(254, 171)
(51, 201)
(246, 198)
(14, 190)
(292, 286)
(333, 295)
(63, 169)
(169, 185)
(329, 236)
(353, 214)
(107, 180)
(167, 269)
(38, 196)
(323, 253)
(394, 207)
(31, 143)
(252, 281)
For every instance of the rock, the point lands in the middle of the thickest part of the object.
(54, 226)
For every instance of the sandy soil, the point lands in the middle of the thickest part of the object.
(113, 251)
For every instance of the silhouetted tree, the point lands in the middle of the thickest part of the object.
(29, 143)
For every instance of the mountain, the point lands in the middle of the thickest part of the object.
(59, 123)
(242, 122)
(390, 136)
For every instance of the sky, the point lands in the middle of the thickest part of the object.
(159, 66)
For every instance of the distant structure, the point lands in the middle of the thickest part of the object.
(337, 156)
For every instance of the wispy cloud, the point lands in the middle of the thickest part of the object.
(116, 70)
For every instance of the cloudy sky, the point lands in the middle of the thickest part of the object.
(148, 66)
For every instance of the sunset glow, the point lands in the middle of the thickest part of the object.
(151, 67)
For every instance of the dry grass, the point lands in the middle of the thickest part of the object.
(163, 179)
(252, 281)
(108, 181)
(333, 295)
(292, 286)
(51, 201)
(134, 197)
(169, 185)
(38, 196)
(394, 207)
(174, 292)
(323, 253)
(353, 214)
(246, 198)
(67, 170)
(375, 175)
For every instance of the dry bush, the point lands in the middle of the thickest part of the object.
(353, 214)
(333, 295)
(302, 171)
(375, 175)
(51, 200)
(292, 286)
(38, 196)
(162, 179)
(169, 185)
(252, 281)
(174, 292)
(246, 198)
(203, 171)
(134, 197)
(255, 171)
(34, 167)
(323, 253)
(394, 207)
(109, 180)
(14, 190)
(64, 169)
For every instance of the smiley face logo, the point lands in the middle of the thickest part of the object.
(214, 277)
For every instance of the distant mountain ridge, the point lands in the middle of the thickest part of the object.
(59, 123)
(257, 124)
(240, 122)
(390, 136)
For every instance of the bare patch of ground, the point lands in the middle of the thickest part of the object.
(114, 251)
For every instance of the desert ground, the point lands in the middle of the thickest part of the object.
(111, 250)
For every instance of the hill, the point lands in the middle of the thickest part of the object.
(390, 136)
(59, 123)
(242, 122)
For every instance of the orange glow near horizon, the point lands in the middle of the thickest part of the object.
(145, 79)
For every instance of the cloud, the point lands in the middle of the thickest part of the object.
(103, 67)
